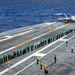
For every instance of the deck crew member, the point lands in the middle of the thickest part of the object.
(55, 58)
(72, 50)
(37, 58)
(47, 70)
(41, 63)
(66, 43)
(9, 63)
(44, 68)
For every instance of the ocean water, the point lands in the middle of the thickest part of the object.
(14, 16)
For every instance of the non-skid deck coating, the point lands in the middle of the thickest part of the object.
(26, 64)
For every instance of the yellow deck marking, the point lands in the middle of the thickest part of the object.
(51, 31)
(45, 34)
(24, 43)
(32, 39)
(67, 24)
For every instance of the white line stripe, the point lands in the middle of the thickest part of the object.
(38, 36)
(45, 33)
(7, 50)
(47, 24)
(39, 54)
(8, 36)
(35, 61)
(39, 25)
(3, 40)
(42, 57)
(63, 39)
(25, 68)
(23, 32)
(4, 71)
(16, 35)
(60, 27)
(15, 47)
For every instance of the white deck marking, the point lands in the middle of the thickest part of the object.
(8, 36)
(39, 54)
(15, 35)
(63, 39)
(19, 34)
(23, 60)
(23, 33)
(47, 24)
(60, 27)
(43, 56)
(15, 46)
(35, 61)
(7, 50)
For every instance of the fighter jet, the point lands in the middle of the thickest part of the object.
(66, 19)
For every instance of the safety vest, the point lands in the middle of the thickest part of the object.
(37, 58)
(9, 62)
(46, 68)
(41, 63)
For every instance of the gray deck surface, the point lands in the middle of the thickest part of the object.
(65, 59)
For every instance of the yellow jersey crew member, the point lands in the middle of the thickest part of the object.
(41, 63)
(9, 62)
(37, 58)
(46, 70)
